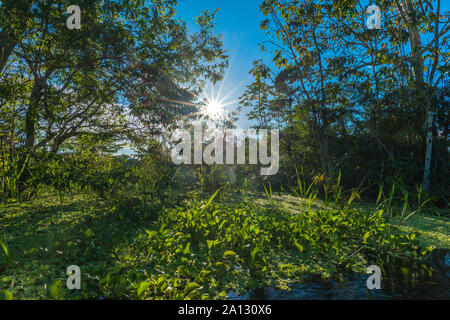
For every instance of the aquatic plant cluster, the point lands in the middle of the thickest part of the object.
(206, 250)
(195, 248)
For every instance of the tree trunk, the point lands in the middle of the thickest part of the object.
(30, 135)
(325, 155)
(405, 10)
(5, 52)
(429, 147)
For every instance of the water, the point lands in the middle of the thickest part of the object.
(400, 280)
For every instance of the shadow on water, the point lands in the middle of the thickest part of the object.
(400, 280)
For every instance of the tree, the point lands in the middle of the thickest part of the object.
(422, 25)
(307, 45)
(257, 97)
(357, 84)
(115, 76)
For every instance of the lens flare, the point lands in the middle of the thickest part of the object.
(214, 109)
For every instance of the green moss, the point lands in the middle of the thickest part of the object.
(430, 229)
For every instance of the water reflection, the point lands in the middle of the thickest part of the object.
(401, 280)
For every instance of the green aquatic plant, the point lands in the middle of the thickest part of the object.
(5, 250)
(206, 249)
(304, 191)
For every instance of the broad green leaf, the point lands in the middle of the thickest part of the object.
(6, 295)
(366, 236)
(187, 250)
(229, 253)
(54, 288)
(142, 287)
(192, 286)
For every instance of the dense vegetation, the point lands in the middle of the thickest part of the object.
(195, 250)
(364, 150)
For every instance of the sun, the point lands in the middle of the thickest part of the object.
(214, 109)
(211, 106)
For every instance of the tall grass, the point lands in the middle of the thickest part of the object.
(393, 197)
(398, 202)
(305, 191)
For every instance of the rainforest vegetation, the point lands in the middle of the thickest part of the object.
(363, 120)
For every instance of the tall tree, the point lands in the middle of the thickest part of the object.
(115, 76)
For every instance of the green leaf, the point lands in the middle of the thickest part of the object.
(366, 236)
(428, 249)
(299, 246)
(191, 287)
(4, 248)
(142, 287)
(254, 253)
(6, 295)
(54, 288)
(286, 266)
(88, 233)
(209, 201)
(104, 281)
(229, 253)
(151, 233)
(187, 250)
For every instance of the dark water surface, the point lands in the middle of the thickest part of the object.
(400, 280)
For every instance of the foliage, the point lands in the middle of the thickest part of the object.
(356, 113)
(204, 251)
(117, 76)
(354, 100)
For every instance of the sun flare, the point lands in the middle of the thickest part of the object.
(214, 108)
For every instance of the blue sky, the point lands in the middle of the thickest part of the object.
(238, 21)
